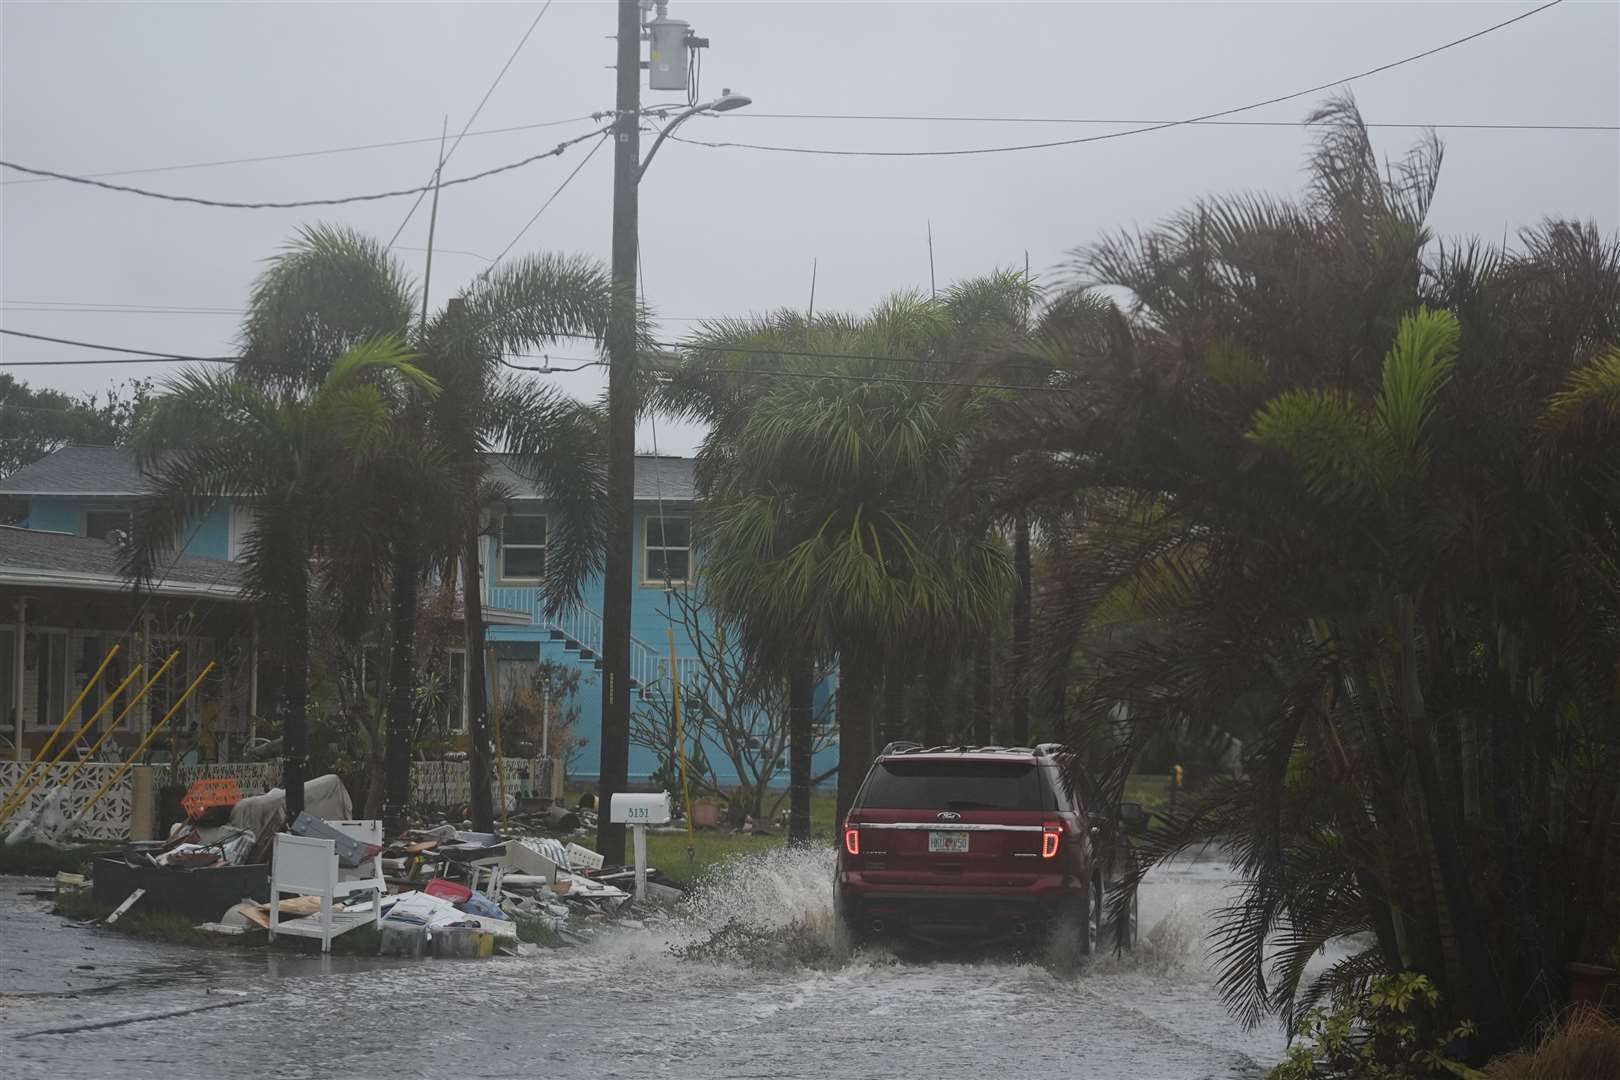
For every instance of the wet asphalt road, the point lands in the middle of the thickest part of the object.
(625, 1005)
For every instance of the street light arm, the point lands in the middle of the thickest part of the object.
(724, 103)
(664, 134)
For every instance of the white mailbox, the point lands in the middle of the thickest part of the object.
(639, 808)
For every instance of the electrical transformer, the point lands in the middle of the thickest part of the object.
(669, 54)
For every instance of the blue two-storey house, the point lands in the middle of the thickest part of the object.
(89, 492)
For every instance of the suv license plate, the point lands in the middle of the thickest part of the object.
(951, 843)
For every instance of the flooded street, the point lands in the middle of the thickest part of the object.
(770, 997)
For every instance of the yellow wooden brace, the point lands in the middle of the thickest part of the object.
(119, 719)
(23, 793)
(150, 735)
(5, 807)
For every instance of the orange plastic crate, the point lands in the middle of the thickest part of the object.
(204, 795)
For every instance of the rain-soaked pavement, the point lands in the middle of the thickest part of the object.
(783, 1005)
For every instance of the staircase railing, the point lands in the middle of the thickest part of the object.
(580, 629)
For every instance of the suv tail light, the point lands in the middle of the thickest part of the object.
(1051, 834)
(852, 839)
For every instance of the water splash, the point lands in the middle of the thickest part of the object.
(770, 910)
(771, 889)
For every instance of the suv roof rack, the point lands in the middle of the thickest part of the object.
(908, 747)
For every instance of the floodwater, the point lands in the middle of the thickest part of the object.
(768, 996)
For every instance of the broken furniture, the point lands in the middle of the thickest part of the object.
(308, 866)
(200, 893)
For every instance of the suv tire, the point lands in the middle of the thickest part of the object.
(1112, 934)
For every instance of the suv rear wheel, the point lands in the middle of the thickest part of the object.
(1072, 933)
(1091, 939)
(1112, 933)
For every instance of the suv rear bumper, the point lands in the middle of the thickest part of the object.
(984, 912)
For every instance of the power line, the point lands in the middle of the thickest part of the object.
(1132, 131)
(581, 365)
(754, 350)
(549, 200)
(439, 168)
(117, 310)
(293, 155)
(136, 353)
(849, 377)
(913, 118)
(118, 304)
(143, 356)
(555, 151)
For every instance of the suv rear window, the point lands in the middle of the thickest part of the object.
(955, 785)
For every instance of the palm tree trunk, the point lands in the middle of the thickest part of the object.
(893, 722)
(857, 694)
(983, 680)
(1518, 879)
(401, 718)
(480, 751)
(801, 706)
(1020, 649)
(936, 695)
(1482, 995)
(1057, 692)
(295, 699)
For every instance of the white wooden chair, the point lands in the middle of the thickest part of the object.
(306, 866)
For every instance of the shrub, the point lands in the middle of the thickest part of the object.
(1393, 1031)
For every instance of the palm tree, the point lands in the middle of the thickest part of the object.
(823, 511)
(301, 458)
(331, 286)
(1352, 492)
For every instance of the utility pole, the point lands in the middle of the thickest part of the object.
(614, 768)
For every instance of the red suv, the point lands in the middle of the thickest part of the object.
(983, 842)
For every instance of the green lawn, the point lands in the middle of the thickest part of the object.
(710, 847)
(1153, 792)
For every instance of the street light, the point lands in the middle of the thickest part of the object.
(724, 103)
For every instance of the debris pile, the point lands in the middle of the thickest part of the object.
(444, 891)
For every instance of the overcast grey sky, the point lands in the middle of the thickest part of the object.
(98, 87)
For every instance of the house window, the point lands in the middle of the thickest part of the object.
(667, 553)
(100, 524)
(166, 691)
(523, 547)
(44, 678)
(244, 523)
(87, 648)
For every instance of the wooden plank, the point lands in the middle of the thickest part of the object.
(128, 903)
(298, 906)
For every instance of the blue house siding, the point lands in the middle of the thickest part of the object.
(210, 537)
(650, 616)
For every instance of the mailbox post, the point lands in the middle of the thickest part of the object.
(639, 810)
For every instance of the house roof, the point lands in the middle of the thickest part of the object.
(666, 478)
(112, 470)
(35, 557)
(78, 470)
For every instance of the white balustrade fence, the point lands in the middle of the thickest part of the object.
(449, 783)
